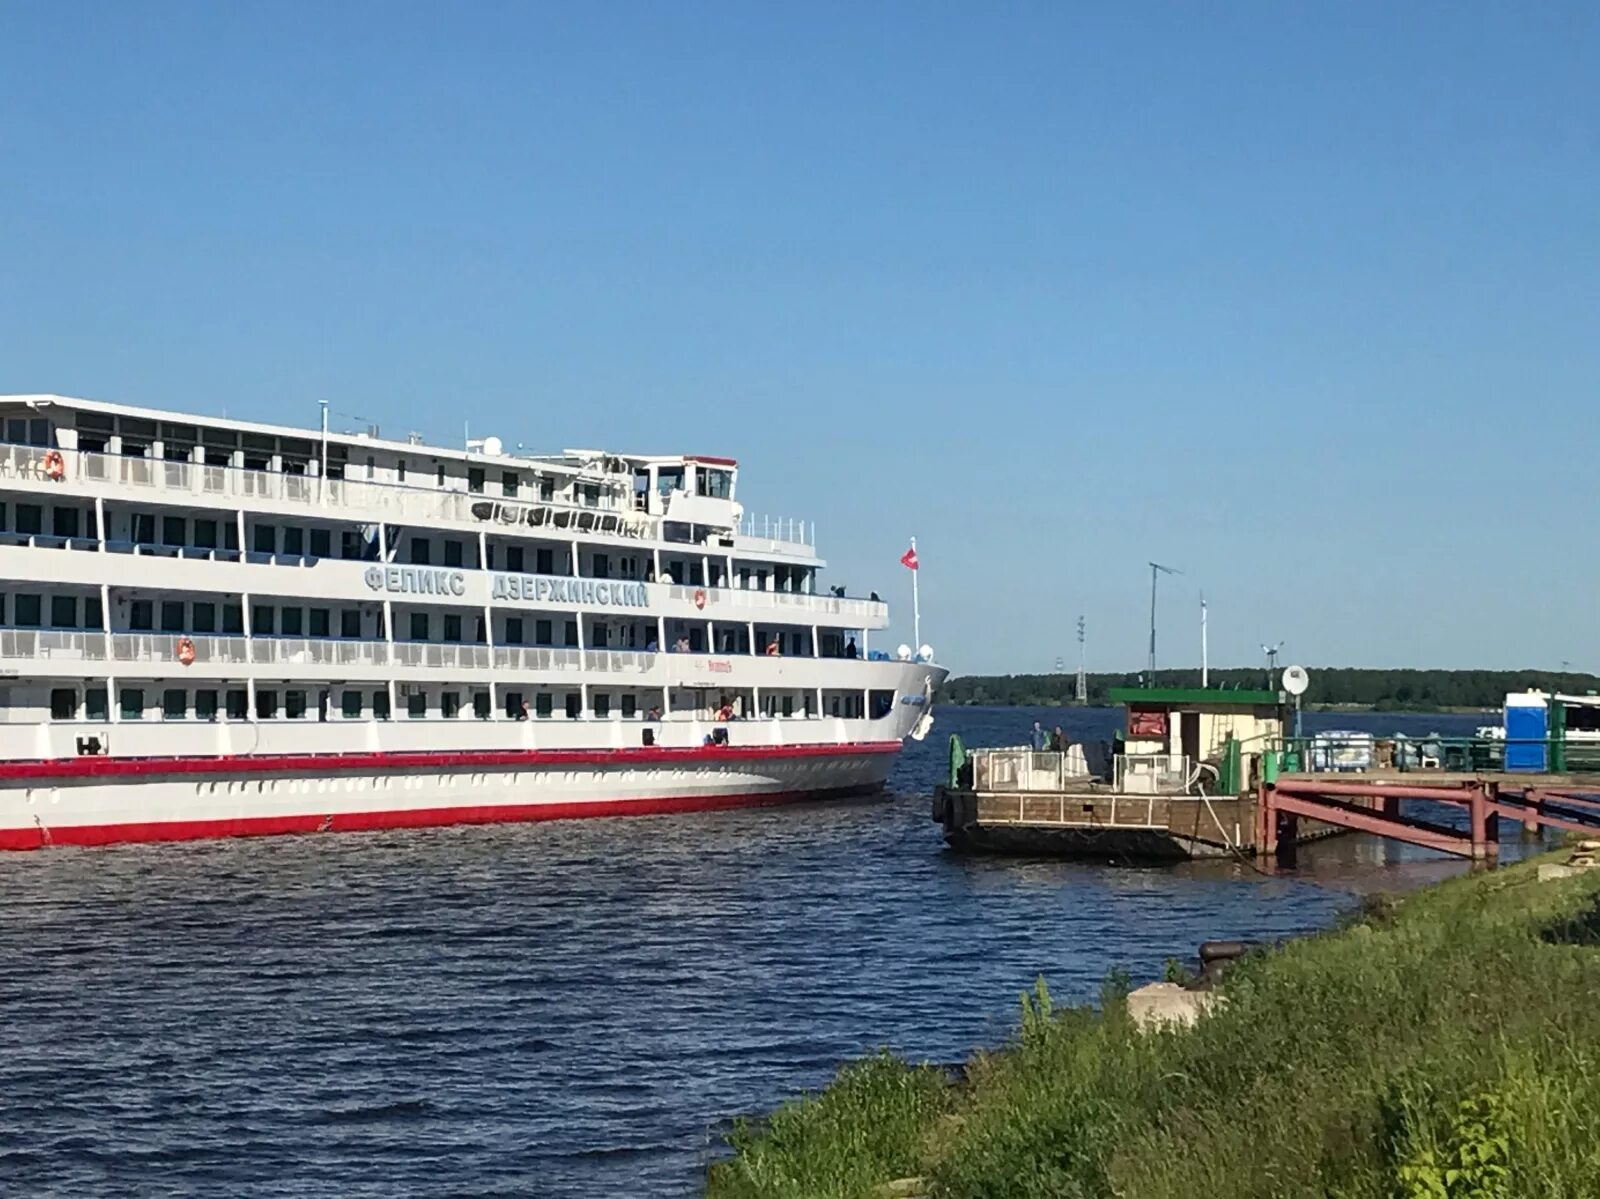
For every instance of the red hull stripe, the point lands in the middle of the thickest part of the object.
(528, 759)
(346, 822)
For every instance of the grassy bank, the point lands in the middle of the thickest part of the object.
(1443, 1045)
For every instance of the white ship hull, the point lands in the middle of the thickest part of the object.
(91, 801)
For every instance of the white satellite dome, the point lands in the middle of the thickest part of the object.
(925, 654)
(903, 653)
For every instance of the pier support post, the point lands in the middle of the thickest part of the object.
(1478, 807)
(1266, 822)
(1533, 803)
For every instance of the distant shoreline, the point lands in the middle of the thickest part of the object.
(1333, 688)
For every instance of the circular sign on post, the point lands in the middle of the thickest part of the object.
(1296, 680)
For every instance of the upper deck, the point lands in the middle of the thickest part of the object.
(113, 451)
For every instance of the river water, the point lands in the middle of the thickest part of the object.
(557, 1009)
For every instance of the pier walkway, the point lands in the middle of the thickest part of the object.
(1393, 801)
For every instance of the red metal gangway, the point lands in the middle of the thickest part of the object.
(1373, 804)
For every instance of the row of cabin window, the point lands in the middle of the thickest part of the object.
(256, 452)
(65, 611)
(208, 533)
(64, 521)
(234, 704)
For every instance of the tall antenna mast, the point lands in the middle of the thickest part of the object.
(1156, 570)
(1083, 679)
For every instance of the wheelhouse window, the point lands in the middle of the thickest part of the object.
(63, 704)
(174, 704)
(205, 705)
(131, 701)
(416, 705)
(27, 611)
(713, 483)
(350, 705)
(63, 612)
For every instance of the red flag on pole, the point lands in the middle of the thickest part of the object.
(909, 558)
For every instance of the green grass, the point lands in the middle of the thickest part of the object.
(1444, 1046)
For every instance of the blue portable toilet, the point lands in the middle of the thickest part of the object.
(1527, 731)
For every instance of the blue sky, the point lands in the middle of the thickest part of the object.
(1302, 298)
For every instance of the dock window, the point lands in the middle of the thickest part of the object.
(30, 518)
(131, 701)
(294, 705)
(265, 540)
(171, 616)
(508, 483)
(321, 543)
(420, 551)
(261, 624)
(544, 562)
(294, 540)
(543, 632)
(238, 704)
(350, 706)
(64, 522)
(416, 705)
(514, 558)
(96, 704)
(574, 705)
(203, 618)
(380, 705)
(452, 627)
(93, 618)
(28, 611)
(172, 530)
(452, 553)
(419, 626)
(205, 534)
(266, 705)
(480, 705)
(319, 622)
(630, 706)
(449, 704)
(602, 705)
(174, 704)
(513, 630)
(141, 617)
(572, 633)
(350, 622)
(205, 705)
(475, 479)
(293, 622)
(233, 619)
(63, 704)
(63, 612)
(514, 706)
(544, 705)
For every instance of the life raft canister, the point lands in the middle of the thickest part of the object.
(185, 651)
(700, 599)
(55, 465)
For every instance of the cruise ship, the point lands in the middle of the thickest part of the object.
(214, 627)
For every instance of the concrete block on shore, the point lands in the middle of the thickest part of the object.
(1554, 870)
(1168, 1003)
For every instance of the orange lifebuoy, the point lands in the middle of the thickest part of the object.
(55, 465)
(185, 651)
(699, 598)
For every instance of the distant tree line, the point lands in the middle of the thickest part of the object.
(1383, 690)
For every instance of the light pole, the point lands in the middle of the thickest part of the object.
(1156, 571)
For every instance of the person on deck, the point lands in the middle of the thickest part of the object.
(1058, 741)
(1040, 739)
(850, 650)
